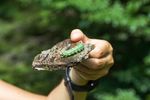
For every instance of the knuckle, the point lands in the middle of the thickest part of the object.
(97, 53)
(100, 53)
(108, 45)
(111, 48)
(111, 62)
(105, 72)
(105, 42)
(98, 64)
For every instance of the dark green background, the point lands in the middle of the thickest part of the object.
(29, 26)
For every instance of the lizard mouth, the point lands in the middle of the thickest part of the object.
(38, 66)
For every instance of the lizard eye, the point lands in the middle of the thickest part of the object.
(44, 56)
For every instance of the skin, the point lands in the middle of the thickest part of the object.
(95, 67)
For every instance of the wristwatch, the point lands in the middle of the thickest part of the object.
(79, 88)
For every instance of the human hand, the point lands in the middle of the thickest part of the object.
(99, 62)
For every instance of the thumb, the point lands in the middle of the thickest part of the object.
(77, 35)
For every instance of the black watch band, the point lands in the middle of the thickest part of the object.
(73, 87)
(85, 88)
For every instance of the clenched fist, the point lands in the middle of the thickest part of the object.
(99, 62)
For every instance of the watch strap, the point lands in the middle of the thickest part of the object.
(80, 88)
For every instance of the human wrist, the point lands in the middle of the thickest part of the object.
(76, 78)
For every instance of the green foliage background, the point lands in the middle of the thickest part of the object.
(29, 26)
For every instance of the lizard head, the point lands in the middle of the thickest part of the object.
(39, 62)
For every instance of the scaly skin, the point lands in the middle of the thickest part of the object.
(52, 59)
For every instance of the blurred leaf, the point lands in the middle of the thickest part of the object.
(121, 95)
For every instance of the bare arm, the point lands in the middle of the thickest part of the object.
(10, 92)
(61, 93)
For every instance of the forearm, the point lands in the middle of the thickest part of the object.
(61, 92)
(9, 92)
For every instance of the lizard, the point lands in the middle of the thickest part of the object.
(61, 55)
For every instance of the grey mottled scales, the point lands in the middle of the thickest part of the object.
(51, 59)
